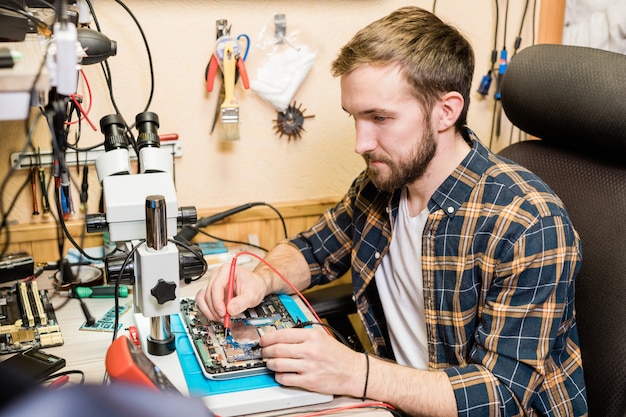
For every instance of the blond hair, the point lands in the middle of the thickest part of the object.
(434, 56)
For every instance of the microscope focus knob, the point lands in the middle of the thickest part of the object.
(164, 291)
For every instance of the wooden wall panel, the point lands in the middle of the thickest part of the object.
(39, 240)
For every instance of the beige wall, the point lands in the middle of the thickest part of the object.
(260, 166)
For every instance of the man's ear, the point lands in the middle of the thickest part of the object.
(451, 107)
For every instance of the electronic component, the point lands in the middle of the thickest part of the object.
(107, 322)
(235, 353)
(27, 319)
(16, 265)
(34, 364)
(126, 362)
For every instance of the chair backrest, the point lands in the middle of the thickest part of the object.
(574, 100)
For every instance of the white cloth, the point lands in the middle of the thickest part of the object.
(281, 75)
(401, 289)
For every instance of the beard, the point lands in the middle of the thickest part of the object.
(405, 170)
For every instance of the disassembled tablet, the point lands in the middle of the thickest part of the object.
(236, 354)
(27, 319)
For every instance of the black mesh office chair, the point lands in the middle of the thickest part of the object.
(574, 100)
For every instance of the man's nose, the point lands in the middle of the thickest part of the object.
(365, 139)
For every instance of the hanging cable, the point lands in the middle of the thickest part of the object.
(485, 82)
(516, 46)
(497, 108)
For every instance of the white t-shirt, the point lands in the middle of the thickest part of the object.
(401, 288)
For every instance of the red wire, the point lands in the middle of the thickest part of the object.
(85, 114)
(229, 294)
(349, 407)
(231, 280)
(229, 291)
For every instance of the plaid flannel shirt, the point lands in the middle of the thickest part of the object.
(499, 260)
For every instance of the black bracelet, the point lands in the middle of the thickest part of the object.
(367, 375)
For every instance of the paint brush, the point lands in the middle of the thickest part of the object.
(229, 107)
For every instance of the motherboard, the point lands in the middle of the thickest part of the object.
(234, 353)
(27, 319)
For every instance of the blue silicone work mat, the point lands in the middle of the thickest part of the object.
(198, 384)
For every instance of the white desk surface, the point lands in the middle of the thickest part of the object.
(86, 350)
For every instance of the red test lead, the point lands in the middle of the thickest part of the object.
(229, 292)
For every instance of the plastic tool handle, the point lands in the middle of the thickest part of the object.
(229, 67)
(103, 291)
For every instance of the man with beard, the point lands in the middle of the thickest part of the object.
(462, 263)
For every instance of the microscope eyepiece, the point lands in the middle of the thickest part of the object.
(147, 123)
(113, 128)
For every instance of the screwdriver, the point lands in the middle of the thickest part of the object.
(33, 186)
(100, 291)
(84, 195)
(44, 192)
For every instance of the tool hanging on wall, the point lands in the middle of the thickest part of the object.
(228, 60)
(290, 122)
(289, 61)
(44, 187)
(33, 186)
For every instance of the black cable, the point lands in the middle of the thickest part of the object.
(117, 287)
(280, 216)
(197, 254)
(106, 68)
(506, 22)
(236, 242)
(518, 40)
(516, 46)
(497, 109)
(22, 12)
(70, 372)
(145, 41)
(85, 149)
(187, 233)
(4, 225)
(494, 51)
(534, 20)
(334, 331)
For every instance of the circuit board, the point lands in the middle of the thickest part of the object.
(237, 353)
(27, 319)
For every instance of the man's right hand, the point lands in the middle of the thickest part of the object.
(248, 291)
(250, 287)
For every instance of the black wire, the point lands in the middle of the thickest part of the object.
(497, 109)
(145, 41)
(334, 331)
(12, 169)
(22, 12)
(518, 40)
(236, 242)
(280, 216)
(197, 254)
(60, 151)
(494, 51)
(70, 372)
(117, 287)
(506, 22)
(106, 68)
(534, 20)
